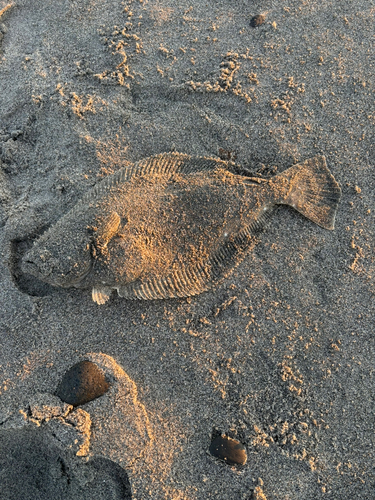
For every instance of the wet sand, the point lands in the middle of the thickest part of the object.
(280, 356)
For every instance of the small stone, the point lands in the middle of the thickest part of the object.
(229, 450)
(257, 20)
(15, 133)
(82, 383)
(227, 155)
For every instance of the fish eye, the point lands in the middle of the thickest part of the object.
(91, 246)
(93, 250)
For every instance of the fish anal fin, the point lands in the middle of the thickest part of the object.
(182, 283)
(101, 295)
(165, 164)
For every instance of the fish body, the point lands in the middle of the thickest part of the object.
(172, 225)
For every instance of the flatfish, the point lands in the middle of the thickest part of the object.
(172, 225)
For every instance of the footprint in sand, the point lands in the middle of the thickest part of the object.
(34, 466)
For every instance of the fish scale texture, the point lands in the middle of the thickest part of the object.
(174, 225)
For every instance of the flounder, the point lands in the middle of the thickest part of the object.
(172, 225)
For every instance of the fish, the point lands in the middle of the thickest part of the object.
(173, 225)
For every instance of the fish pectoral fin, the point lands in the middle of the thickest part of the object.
(107, 228)
(101, 295)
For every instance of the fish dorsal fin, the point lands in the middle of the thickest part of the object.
(106, 230)
(166, 164)
(196, 279)
(169, 164)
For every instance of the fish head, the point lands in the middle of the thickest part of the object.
(62, 256)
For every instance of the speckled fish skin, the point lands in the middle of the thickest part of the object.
(172, 225)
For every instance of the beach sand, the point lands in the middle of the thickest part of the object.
(281, 355)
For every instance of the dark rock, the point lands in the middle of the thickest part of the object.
(82, 383)
(229, 450)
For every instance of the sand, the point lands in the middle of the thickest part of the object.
(281, 355)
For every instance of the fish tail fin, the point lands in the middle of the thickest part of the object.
(310, 188)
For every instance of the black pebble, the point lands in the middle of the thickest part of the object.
(82, 383)
(229, 450)
(257, 20)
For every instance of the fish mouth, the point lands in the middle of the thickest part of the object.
(77, 281)
(29, 267)
(64, 280)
